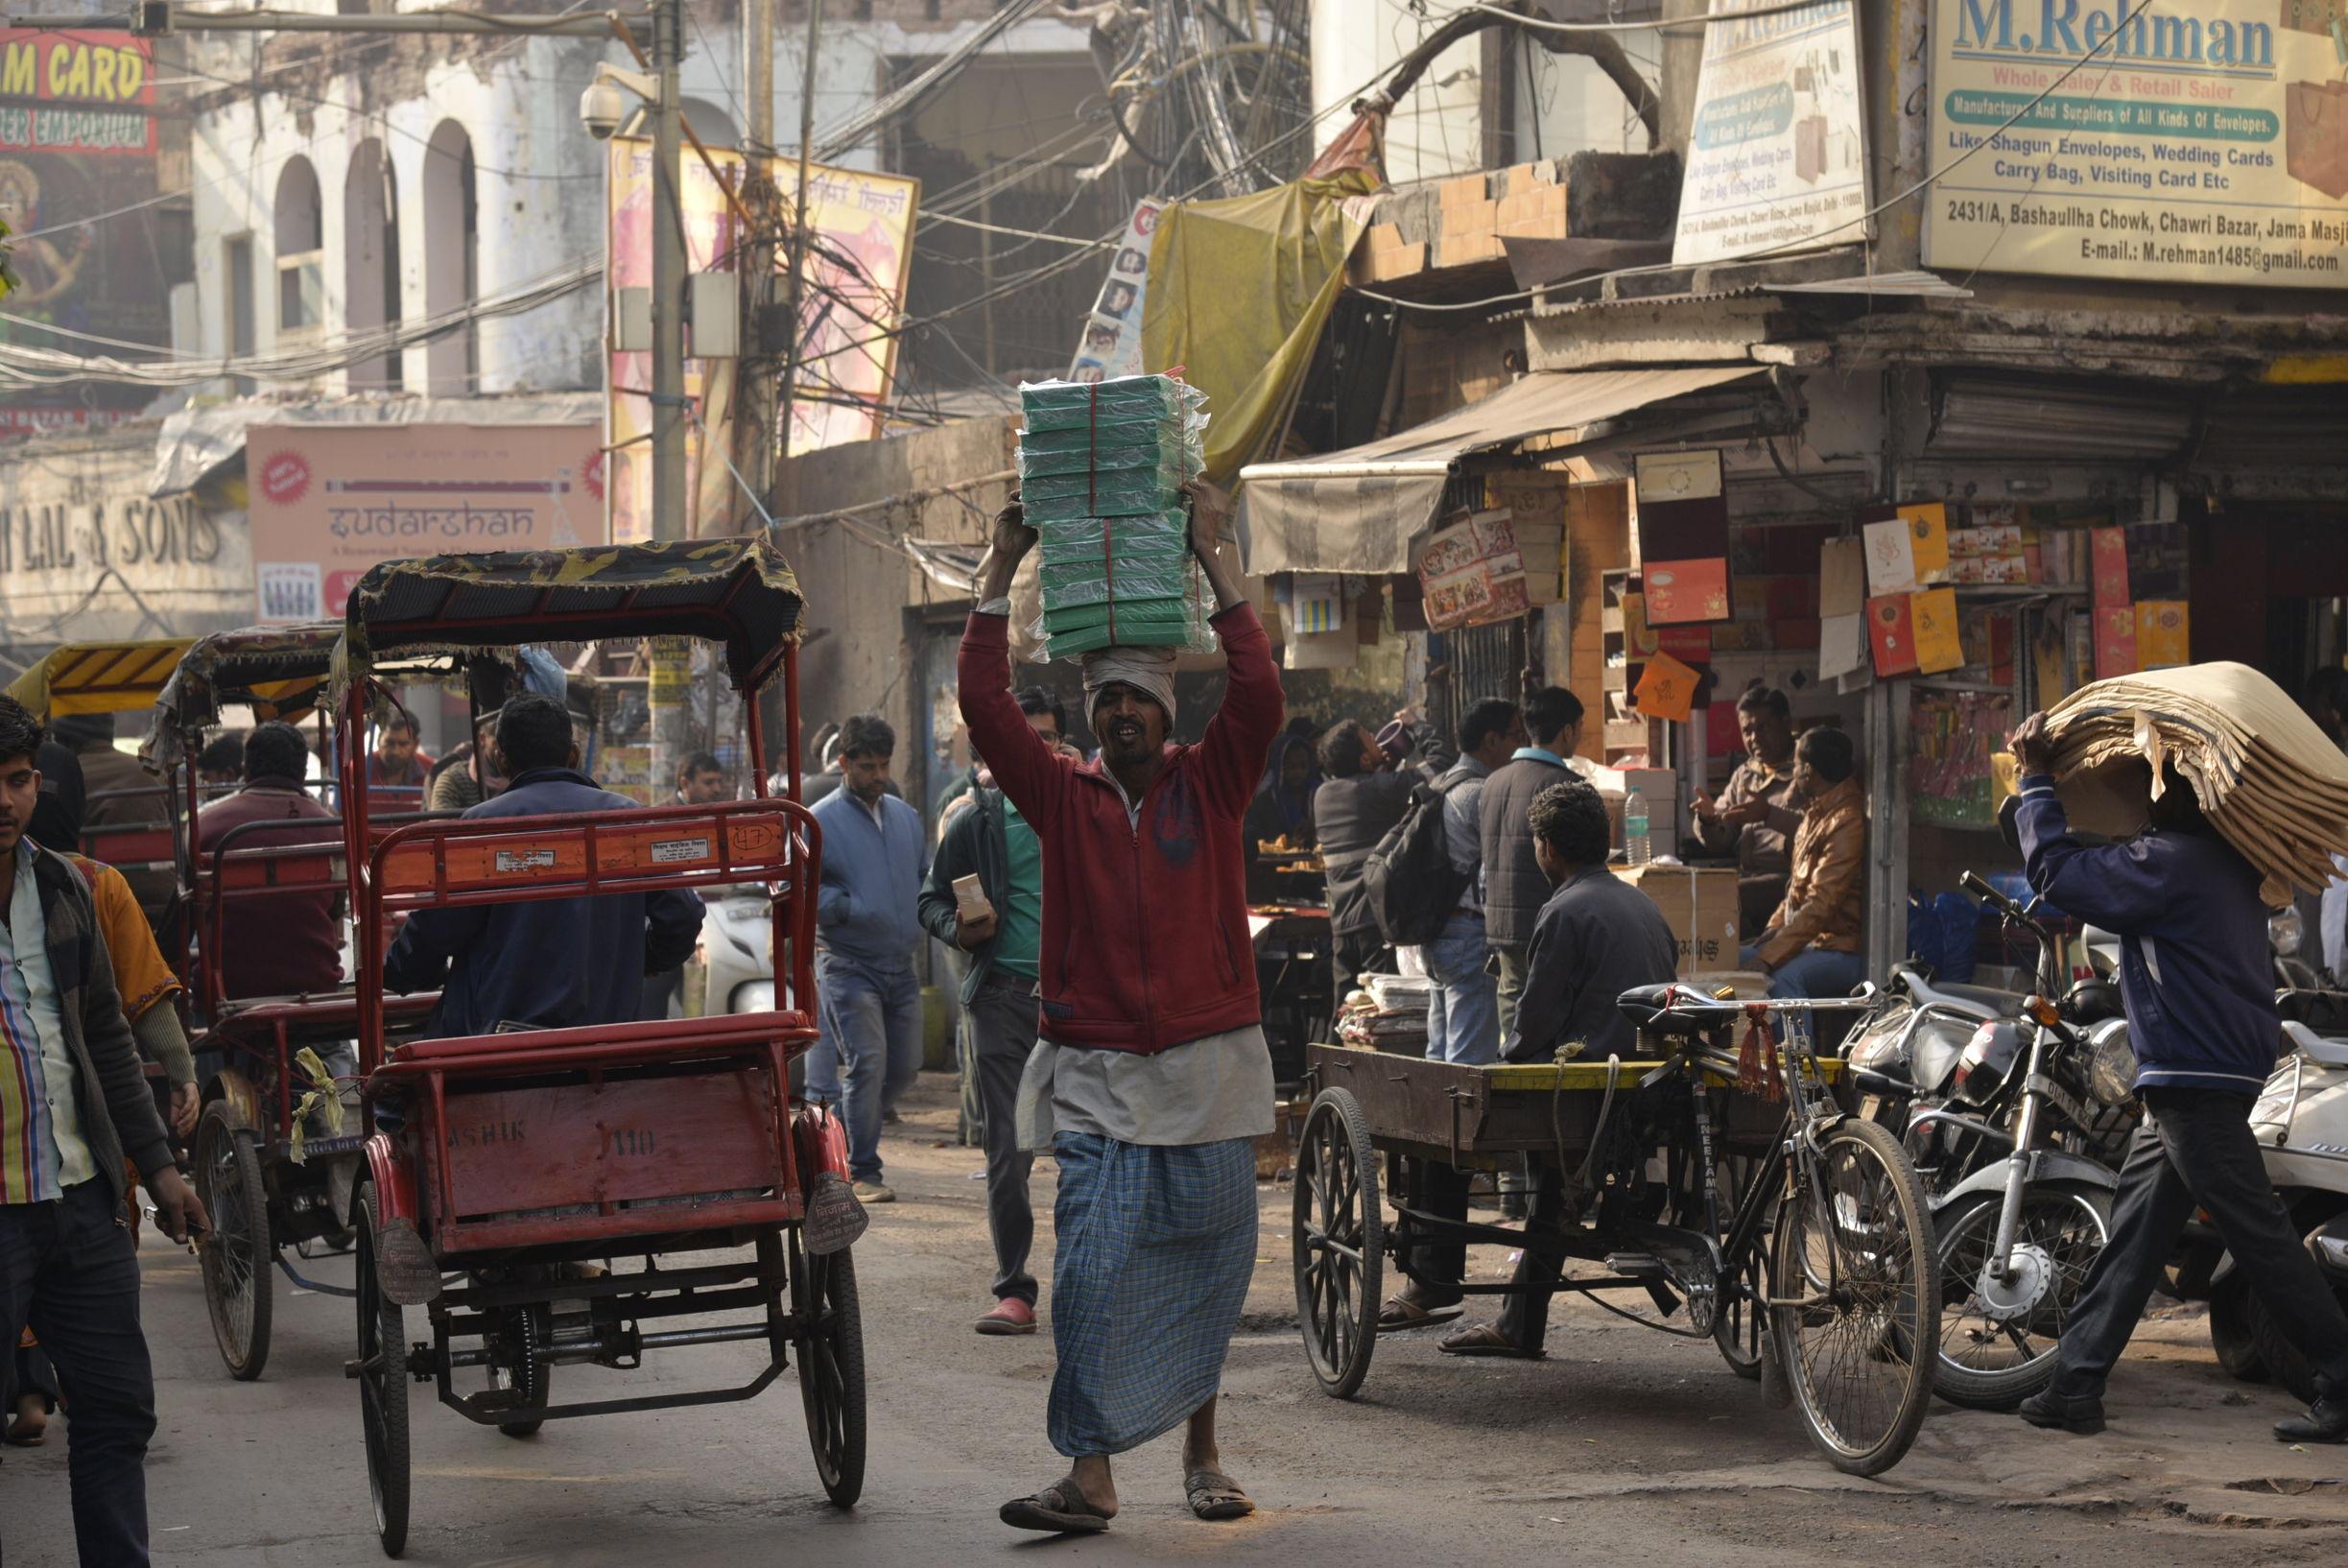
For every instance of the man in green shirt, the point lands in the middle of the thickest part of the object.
(989, 840)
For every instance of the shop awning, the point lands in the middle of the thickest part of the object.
(1361, 509)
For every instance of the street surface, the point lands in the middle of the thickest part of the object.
(1624, 1447)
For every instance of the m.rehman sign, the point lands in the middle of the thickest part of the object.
(2205, 141)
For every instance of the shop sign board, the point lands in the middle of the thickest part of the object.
(2202, 142)
(330, 501)
(86, 553)
(1776, 152)
(85, 92)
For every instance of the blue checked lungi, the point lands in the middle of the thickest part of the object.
(1155, 1246)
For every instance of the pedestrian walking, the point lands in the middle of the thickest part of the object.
(74, 1106)
(1152, 1078)
(989, 840)
(2196, 980)
(868, 923)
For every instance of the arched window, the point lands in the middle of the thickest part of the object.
(452, 261)
(712, 123)
(370, 259)
(302, 251)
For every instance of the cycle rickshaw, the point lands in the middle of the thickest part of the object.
(539, 1183)
(1720, 1178)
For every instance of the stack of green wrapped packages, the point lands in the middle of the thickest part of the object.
(1101, 467)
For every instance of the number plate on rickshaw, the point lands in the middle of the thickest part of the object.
(636, 1141)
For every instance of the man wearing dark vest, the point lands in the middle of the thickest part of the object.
(1514, 888)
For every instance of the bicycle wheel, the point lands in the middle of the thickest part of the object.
(1852, 1283)
(238, 1257)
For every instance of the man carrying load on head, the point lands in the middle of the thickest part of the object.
(1151, 1078)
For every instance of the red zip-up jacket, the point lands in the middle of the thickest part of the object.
(1145, 929)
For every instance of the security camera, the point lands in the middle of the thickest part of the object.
(613, 98)
(601, 108)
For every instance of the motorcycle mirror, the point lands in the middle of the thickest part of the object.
(2009, 815)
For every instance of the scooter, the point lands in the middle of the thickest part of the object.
(2301, 1124)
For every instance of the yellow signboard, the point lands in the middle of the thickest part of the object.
(2205, 141)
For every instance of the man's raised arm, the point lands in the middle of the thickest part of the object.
(1238, 739)
(1021, 764)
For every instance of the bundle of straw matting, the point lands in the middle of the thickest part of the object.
(2269, 779)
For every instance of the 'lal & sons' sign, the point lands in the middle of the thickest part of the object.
(2203, 141)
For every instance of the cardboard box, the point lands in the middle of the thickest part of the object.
(1699, 904)
(1659, 787)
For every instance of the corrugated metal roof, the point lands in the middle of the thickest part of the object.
(1904, 285)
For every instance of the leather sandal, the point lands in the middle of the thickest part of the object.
(1060, 1508)
(1216, 1497)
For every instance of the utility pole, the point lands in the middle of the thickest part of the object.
(754, 400)
(668, 690)
(799, 217)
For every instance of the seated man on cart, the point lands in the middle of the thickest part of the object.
(279, 943)
(557, 963)
(1596, 937)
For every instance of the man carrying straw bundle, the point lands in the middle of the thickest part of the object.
(2197, 979)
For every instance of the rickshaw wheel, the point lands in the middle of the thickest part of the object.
(382, 1388)
(1743, 1322)
(831, 1367)
(1340, 1241)
(238, 1257)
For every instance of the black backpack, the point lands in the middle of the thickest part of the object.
(1408, 878)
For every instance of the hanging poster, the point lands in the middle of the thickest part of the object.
(1776, 159)
(2204, 141)
(854, 287)
(1112, 341)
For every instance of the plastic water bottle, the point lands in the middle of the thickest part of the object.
(1634, 828)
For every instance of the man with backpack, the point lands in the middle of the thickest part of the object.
(1435, 853)
(1514, 890)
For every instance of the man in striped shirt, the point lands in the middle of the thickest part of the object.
(74, 1103)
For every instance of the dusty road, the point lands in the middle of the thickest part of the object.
(1623, 1447)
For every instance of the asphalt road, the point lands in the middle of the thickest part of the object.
(1623, 1447)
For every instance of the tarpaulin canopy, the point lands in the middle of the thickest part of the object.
(2267, 777)
(1238, 291)
(1364, 508)
(738, 592)
(99, 677)
(279, 671)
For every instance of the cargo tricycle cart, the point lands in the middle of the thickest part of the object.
(1719, 1179)
(537, 1190)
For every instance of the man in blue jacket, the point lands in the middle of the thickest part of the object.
(556, 963)
(2196, 980)
(874, 853)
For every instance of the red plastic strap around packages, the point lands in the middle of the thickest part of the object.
(1109, 560)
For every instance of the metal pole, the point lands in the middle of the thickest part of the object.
(668, 278)
(671, 667)
(755, 396)
(799, 217)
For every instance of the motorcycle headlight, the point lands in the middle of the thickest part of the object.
(2285, 931)
(2111, 1062)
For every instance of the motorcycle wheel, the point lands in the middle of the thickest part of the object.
(1993, 1357)
(2233, 1334)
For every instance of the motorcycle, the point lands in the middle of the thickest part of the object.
(2011, 1132)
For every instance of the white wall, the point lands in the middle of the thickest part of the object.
(540, 179)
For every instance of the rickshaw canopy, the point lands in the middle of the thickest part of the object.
(99, 677)
(279, 672)
(737, 592)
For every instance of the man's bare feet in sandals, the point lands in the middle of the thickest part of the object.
(1063, 1508)
(31, 1422)
(1413, 1308)
(1484, 1339)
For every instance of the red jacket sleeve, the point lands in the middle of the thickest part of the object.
(1027, 769)
(1238, 739)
